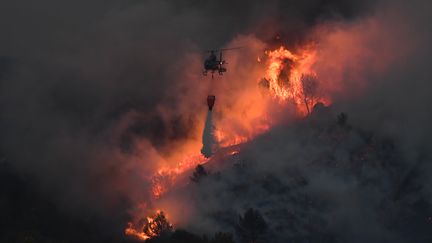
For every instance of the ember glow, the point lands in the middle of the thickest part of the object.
(149, 227)
(287, 77)
(138, 233)
(290, 77)
(165, 176)
(162, 181)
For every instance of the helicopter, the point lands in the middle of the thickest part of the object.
(212, 64)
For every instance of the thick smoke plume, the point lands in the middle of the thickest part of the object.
(96, 96)
(332, 179)
(103, 95)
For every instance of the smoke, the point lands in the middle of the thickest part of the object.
(320, 180)
(76, 88)
(96, 96)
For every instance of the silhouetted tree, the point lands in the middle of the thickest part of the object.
(221, 237)
(183, 236)
(310, 91)
(342, 119)
(158, 226)
(199, 173)
(251, 226)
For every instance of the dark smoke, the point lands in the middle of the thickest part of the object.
(84, 84)
(329, 179)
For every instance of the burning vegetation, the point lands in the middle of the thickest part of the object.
(116, 117)
(288, 78)
(266, 86)
(156, 225)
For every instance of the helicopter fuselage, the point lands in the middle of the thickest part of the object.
(214, 65)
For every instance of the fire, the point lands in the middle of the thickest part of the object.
(149, 227)
(226, 140)
(161, 181)
(160, 184)
(259, 86)
(165, 176)
(132, 231)
(290, 77)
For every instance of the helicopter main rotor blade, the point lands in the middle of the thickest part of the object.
(231, 48)
(225, 49)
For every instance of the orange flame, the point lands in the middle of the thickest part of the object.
(146, 229)
(285, 73)
(136, 233)
(247, 109)
(289, 78)
(166, 176)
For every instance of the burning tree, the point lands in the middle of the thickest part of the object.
(157, 226)
(310, 91)
(290, 77)
(251, 226)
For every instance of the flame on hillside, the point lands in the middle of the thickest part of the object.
(149, 227)
(288, 78)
